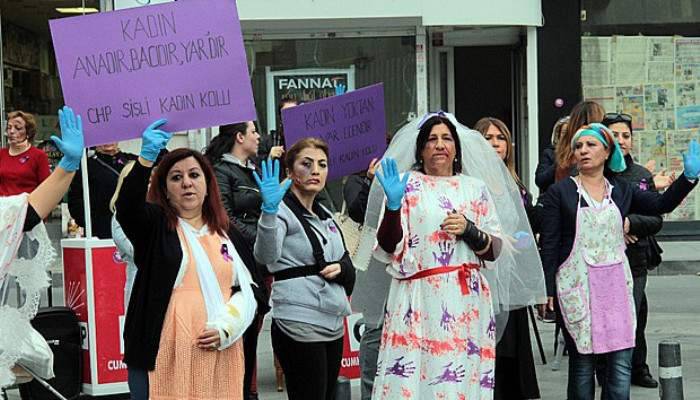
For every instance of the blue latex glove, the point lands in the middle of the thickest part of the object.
(271, 189)
(154, 140)
(71, 142)
(339, 89)
(691, 160)
(394, 186)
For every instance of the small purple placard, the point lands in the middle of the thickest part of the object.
(183, 61)
(353, 125)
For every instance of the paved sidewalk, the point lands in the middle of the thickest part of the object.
(673, 302)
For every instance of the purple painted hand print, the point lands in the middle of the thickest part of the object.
(450, 375)
(403, 370)
(412, 186)
(474, 282)
(445, 203)
(492, 329)
(446, 252)
(488, 381)
(447, 318)
(402, 270)
(473, 348)
(413, 241)
(408, 315)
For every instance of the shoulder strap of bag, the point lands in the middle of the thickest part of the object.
(109, 167)
(310, 234)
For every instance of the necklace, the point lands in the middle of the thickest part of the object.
(596, 190)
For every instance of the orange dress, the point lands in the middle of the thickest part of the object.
(184, 371)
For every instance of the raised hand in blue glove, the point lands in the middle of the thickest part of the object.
(271, 189)
(154, 140)
(393, 185)
(71, 143)
(691, 160)
(340, 89)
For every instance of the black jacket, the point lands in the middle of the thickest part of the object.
(559, 212)
(31, 219)
(532, 211)
(157, 255)
(242, 200)
(267, 142)
(240, 195)
(356, 193)
(544, 174)
(103, 174)
(642, 226)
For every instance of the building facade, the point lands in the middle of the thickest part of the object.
(526, 62)
(643, 58)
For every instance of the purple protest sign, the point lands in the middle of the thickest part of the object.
(183, 61)
(353, 125)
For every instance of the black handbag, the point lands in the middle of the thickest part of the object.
(59, 326)
(654, 252)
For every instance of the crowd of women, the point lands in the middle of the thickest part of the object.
(457, 252)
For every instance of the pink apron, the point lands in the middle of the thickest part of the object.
(594, 284)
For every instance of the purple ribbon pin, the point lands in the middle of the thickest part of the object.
(224, 252)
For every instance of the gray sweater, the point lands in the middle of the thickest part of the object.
(281, 243)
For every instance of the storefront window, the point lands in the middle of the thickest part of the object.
(30, 76)
(363, 61)
(656, 80)
(631, 17)
(308, 68)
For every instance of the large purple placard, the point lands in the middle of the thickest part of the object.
(353, 125)
(183, 61)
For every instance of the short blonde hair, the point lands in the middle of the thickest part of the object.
(125, 171)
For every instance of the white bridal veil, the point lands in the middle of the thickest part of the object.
(517, 279)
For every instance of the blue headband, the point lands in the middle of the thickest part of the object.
(616, 163)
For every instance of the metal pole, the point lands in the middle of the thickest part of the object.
(3, 122)
(421, 70)
(670, 373)
(86, 196)
(537, 334)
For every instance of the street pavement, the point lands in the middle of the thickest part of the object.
(673, 302)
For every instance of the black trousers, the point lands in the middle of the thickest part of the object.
(250, 348)
(639, 356)
(515, 367)
(310, 369)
